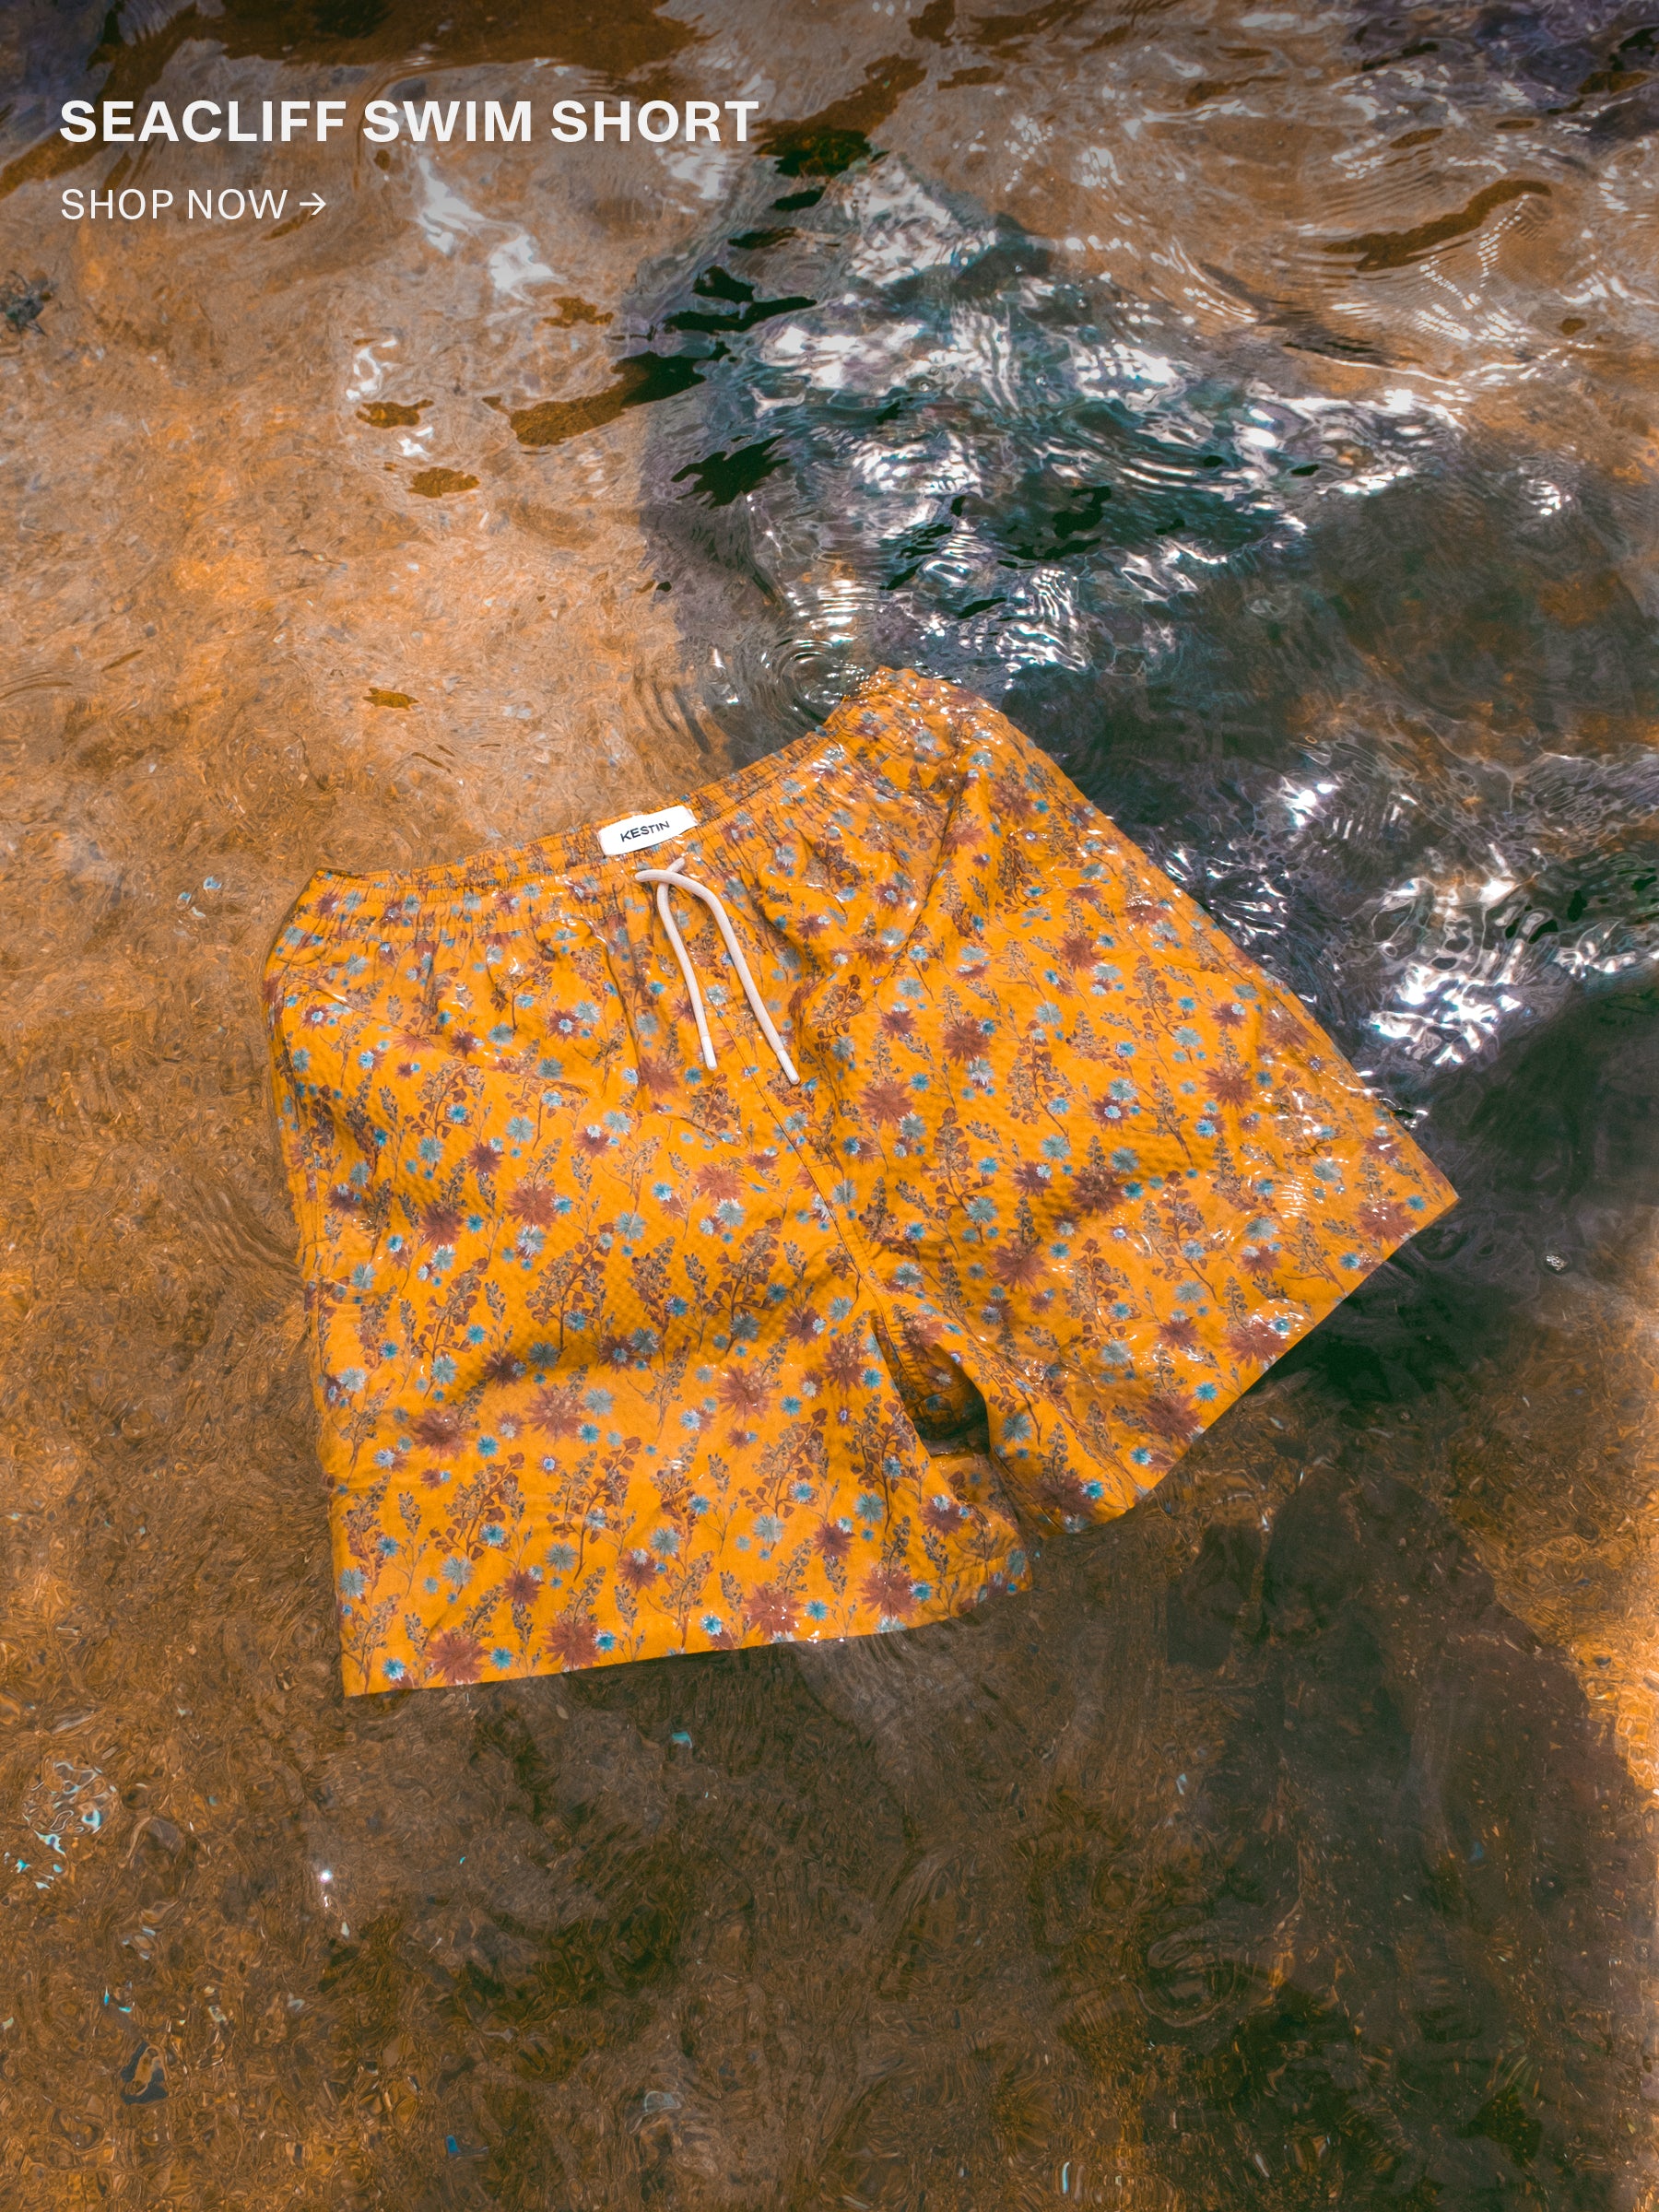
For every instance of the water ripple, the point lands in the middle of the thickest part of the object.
(1153, 548)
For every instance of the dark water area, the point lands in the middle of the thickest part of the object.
(1258, 407)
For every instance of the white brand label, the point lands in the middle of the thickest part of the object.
(638, 831)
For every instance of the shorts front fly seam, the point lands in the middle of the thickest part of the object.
(774, 1096)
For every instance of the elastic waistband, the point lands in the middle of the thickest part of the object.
(575, 853)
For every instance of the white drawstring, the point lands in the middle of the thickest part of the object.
(662, 878)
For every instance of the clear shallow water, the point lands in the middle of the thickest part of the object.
(1256, 404)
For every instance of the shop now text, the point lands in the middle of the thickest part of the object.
(230, 206)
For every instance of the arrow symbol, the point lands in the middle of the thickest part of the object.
(316, 203)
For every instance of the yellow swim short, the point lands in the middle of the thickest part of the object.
(748, 1222)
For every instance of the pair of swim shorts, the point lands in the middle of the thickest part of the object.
(757, 1220)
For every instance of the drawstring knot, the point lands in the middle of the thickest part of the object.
(663, 878)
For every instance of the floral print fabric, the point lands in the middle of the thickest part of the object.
(616, 1357)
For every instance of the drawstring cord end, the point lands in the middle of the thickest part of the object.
(662, 878)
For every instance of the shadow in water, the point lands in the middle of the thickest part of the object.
(1355, 1906)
